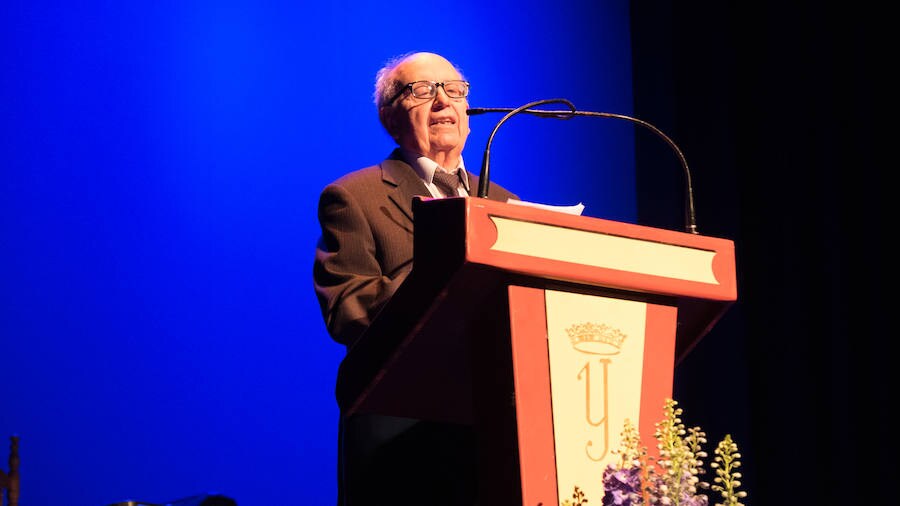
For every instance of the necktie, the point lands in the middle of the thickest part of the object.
(446, 182)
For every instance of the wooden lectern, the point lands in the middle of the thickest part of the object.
(544, 330)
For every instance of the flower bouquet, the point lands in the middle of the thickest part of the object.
(675, 477)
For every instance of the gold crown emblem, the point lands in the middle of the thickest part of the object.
(596, 338)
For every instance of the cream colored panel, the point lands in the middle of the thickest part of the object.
(596, 347)
(604, 250)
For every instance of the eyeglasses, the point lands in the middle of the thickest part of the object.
(428, 89)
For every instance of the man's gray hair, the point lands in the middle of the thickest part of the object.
(386, 86)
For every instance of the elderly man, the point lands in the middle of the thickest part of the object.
(366, 251)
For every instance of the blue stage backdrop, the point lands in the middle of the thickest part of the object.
(161, 163)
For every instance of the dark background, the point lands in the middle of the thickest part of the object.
(777, 107)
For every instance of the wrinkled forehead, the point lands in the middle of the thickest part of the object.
(425, 67)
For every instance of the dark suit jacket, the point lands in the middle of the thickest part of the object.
(366, 248)
(364, 254)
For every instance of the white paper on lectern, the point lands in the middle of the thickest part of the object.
(576, 209)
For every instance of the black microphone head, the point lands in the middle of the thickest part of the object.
(474, 111)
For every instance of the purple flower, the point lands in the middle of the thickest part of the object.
(622, 486)
(694, 500)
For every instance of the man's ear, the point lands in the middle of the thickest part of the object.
(388, 118)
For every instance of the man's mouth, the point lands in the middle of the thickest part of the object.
(443, 121)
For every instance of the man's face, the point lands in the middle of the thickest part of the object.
(435, 127)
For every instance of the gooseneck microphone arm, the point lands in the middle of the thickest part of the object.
(484, 177)
(690, 215)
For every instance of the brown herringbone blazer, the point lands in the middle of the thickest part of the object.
(366, 247)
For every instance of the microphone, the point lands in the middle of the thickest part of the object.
(478, 111)
(484, 177)
(690, 214)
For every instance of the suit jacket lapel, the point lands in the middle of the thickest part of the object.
(403, 183)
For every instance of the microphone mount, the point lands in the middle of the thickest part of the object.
(690, 214)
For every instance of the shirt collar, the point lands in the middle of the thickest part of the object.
(425, 167)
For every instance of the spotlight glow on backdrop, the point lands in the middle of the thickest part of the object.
(161, 163)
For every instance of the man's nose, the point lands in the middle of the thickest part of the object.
(440, 97)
